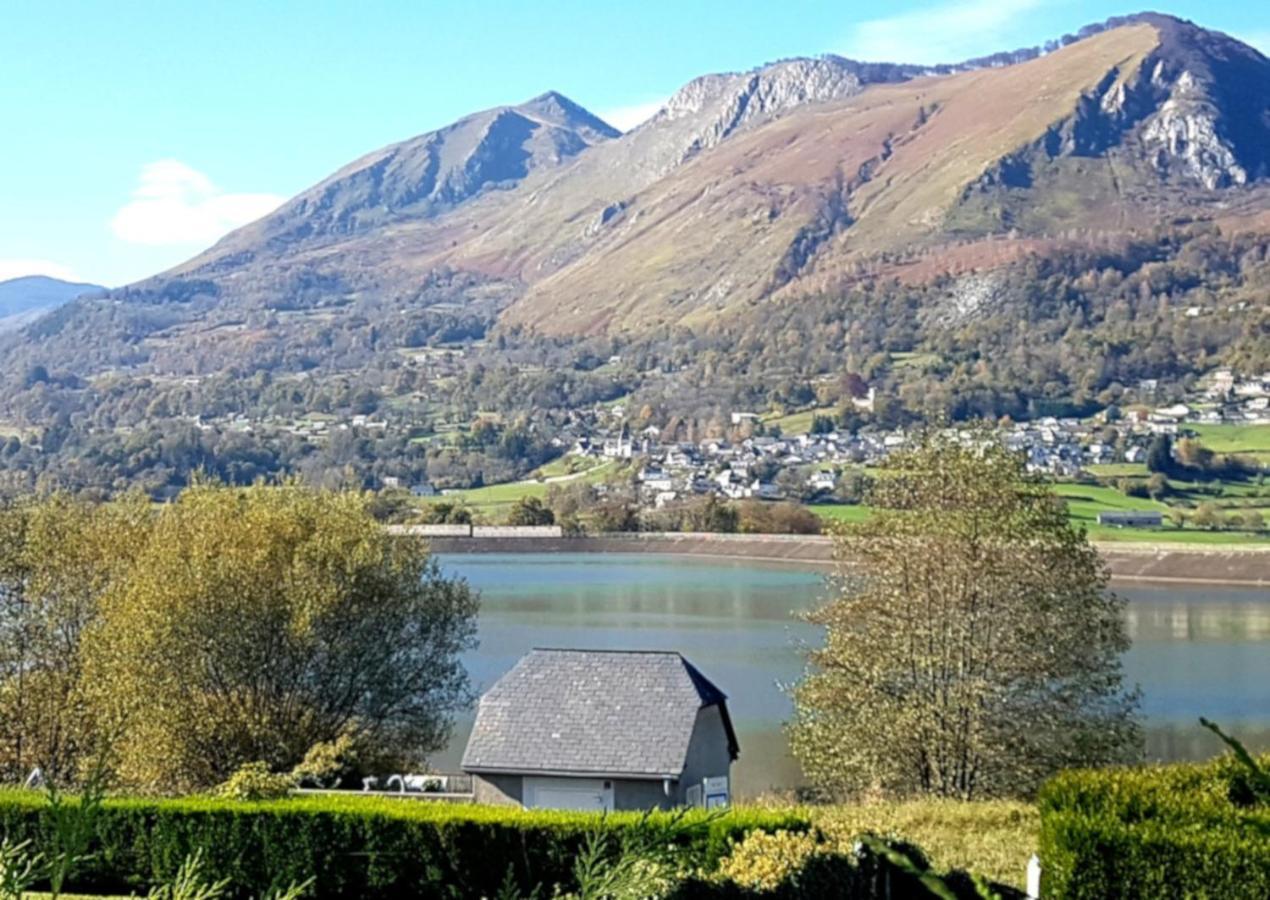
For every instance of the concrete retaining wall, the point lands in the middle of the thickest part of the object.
(536, 532)
(1177, 563)
(432, 531)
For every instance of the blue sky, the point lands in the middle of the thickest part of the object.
(135, 133)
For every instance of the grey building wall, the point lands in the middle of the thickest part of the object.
(707, 752)
(641, 795)
(498, 790)
(707, 757)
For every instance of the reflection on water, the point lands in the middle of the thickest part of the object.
(1195, 651)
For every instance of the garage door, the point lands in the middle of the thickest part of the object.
(592, 794)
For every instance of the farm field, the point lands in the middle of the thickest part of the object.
(798, 422)
(1253, 440)
(494, 498)
(1084, 502)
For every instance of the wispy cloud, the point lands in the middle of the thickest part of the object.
(16, 268)
(176, 204)
(938, 33)
(624, 118)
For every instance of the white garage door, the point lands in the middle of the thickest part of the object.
(592, 794)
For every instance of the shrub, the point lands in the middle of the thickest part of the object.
(764, 860)
(328, 763)
(794, 866)
(366, 847)
(993, 838)
(1178, 831)
(253, 781)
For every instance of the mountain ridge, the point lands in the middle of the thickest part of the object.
(28, 296)
(746, 189)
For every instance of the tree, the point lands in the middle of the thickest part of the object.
(1160, 454)
(1194, 455)
(530, 511)
(1252, 520)
(447, 512)
(973, 650)
(1207, 516)
(57, 556)
(710, 515)
(256, 623)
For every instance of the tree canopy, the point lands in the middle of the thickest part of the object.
(973, 648)
(236, 625)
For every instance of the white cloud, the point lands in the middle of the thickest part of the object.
(176, 204)
(16, 268)
(624, 118)
(939, 33)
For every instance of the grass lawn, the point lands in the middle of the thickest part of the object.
(799, 422)
(842, 512)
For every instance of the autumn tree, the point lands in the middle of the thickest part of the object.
(256, 623)
(973, 649)
(57, 558)
(530, 511)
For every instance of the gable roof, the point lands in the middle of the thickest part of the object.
(598, 712)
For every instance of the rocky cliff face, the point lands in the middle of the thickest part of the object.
(708, 110)
(1197, 108)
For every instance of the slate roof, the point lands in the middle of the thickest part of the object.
(599, 712)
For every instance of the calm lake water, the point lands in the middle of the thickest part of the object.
(1196, 650)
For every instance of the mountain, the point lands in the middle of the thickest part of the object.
(22, 299)
(425, 176)
(747, 198)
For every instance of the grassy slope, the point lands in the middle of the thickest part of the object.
(497, 497)
(727, 218)
(799, 422)
(1084, 502)
(1253, 440)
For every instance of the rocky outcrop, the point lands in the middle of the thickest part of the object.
(1185, 137)
(1196, 109)
(717, 106)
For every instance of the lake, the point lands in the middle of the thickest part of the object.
(1196, 650)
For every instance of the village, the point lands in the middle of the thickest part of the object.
(808, 466)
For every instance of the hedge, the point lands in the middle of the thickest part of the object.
(1166, 831)
(363, 847)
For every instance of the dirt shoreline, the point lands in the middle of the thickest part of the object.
(1176, 564)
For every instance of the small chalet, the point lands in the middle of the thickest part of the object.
(602, 730)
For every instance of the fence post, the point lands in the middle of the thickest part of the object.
(1034, 877)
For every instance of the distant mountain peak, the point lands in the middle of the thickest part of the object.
(28, 296)
(429, 174)
(558, 108)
